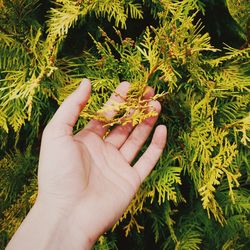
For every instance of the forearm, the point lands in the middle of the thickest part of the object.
(45, 229)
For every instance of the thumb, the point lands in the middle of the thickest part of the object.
(69, 111)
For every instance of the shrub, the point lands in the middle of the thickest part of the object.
(194, 53)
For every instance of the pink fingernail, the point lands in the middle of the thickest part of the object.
(83, 82)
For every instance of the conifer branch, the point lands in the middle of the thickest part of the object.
(21, 42)
(204, 171)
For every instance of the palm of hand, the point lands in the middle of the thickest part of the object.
(88, 179)
(88, 171)
(109, 173)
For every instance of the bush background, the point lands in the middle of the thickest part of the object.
(196, 56)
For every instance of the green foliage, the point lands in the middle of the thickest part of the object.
(197, 196)
(104, 243)
(240, 11)
(18, 185)
(16, 212)
(15, 170)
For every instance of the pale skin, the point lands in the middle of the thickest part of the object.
(86, 181)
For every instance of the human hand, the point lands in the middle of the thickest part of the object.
(85, 182)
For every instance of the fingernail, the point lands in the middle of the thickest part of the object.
(148, 92)
(147, 89)
(84, 81)
(155, 106)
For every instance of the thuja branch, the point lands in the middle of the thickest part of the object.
(153, 70)
(16, 38)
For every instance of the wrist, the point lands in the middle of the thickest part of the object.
(68, 232)
(70, 236)
(37, 229)
(48, 227)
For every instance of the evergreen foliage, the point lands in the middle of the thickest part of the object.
(197, 197)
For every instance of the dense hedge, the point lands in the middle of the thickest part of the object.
(194, 53)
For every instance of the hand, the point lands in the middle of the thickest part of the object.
(84, 181)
